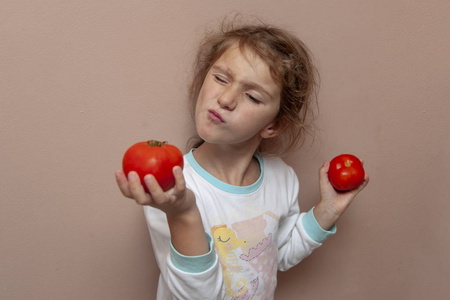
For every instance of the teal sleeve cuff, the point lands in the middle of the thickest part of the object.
(194, 264)
(313, 228)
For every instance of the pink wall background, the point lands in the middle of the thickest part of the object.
(80, 81)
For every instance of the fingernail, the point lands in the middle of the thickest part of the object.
(148, 180)
(131, 176)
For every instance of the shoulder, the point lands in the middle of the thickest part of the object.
(277, 166)
(195, 176)
(280, 183)
(189, 168)
(279, 173)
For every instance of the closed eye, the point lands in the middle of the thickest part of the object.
(253, 99)
(220, 239)
(220, 79)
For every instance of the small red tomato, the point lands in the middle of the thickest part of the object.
(153, 157)
(346, 172)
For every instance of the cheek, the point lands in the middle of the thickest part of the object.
(202, 126)
(198, 105)
(201, 100)
(257, 120)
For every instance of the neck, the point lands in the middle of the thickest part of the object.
(234, 165)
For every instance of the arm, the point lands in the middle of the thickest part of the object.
(185, 253)
(299, 233)
(187, 233)
(186, 227)
(332, 203)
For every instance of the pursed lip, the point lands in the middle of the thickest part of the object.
(215, 116)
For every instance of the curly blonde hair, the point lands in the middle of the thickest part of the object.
(290, 64)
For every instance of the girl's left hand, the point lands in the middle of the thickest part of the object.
(176, 201)
(333, 203)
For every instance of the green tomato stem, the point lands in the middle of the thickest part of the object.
(155, 143)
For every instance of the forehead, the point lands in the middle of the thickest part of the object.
(250, 66)
(243, 54)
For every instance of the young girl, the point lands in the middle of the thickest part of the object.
(232, 220)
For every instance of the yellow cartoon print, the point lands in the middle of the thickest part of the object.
(248, 256)
(226, 241)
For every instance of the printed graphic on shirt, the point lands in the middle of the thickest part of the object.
(248, 256)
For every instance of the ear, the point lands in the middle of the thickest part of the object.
(271, 130)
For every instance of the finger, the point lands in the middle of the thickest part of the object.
(122, 182)
(323, 173)
(137, 190)
(366, 180)
(362, 185)
(180, 183)
(156, 193)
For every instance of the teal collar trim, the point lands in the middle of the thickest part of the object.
(233, 189)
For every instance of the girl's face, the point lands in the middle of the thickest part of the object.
(238, 101)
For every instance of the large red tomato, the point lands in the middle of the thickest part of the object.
(346, 172)
(153, 157)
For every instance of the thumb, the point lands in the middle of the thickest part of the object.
(323, 173)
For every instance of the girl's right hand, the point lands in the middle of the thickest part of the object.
(173, 202)
(183, 217)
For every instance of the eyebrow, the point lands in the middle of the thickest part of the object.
(247, 84)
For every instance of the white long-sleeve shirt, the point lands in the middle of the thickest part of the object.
(253, 232)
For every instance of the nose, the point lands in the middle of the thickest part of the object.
(229, 98)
